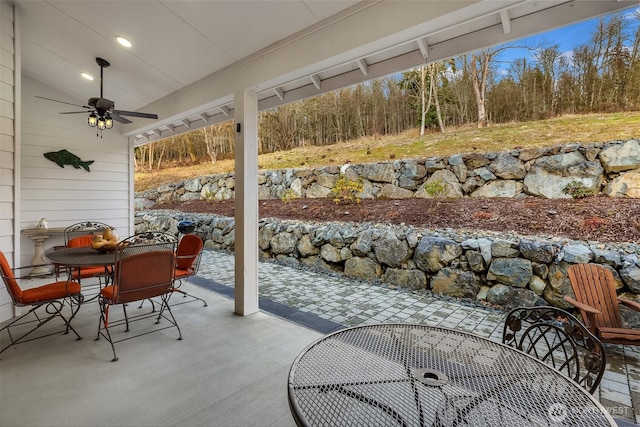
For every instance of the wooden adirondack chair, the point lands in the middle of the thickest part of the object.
(597, 301)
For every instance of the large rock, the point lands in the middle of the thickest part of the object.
(475, 160)
(363, 244)
(516, 272)
(390, 191)
(306, 248)
(455, 283)
(317, 191)
(630, 274)
(326, 180)
(434, 253)
(362, 268)
(550, 175)
(452, 189)
(559, 285)
(618, 158)
(390, 250)
(193, 185)
(378, 172)
(504, 249)
(508, 296)
(625, 185)
(507, 167)
(535, 250)
(502, 188)
(283, 243)
(265, 234)
(576, 254)
(410, 279)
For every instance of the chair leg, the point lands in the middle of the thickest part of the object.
(173, 321)
(126, 318)
(185, 294)
(79, 300)
(104, 321)
(53, 309)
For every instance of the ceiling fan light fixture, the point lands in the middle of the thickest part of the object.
(108, 121)
(92, 120)
(102, 123)
(87, 76)
(123, 41)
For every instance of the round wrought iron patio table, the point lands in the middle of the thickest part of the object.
(80, 257)
(419, 375)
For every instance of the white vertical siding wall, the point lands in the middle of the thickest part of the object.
(33, 187)
(67, 195)
(7, 145)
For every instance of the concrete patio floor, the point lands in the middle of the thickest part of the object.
(231, 370)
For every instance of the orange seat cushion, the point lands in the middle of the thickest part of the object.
(182, 273)
(51, 291)
(108, 292)
(87, 271)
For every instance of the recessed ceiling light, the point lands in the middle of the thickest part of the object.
(124, 42)
(87, 76)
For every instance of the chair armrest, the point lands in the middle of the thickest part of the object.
(630, 303)
(580, 305)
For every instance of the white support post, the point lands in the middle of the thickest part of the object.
(246, 203)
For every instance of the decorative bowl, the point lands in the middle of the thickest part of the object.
(106, 249)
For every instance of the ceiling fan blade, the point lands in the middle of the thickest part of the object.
(136, 114)
(62, 102)
(118, 118)
(74, 112)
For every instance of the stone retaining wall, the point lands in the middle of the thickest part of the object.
(499, 268)
(611, 168)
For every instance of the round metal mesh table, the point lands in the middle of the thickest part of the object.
(417, 375)
(80, 257)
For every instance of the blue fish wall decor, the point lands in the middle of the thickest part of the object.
(64, 157)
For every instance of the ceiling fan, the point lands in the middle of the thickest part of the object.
(101, 110)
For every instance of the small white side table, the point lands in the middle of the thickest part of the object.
(39, 236)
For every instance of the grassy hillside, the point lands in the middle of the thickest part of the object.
(561, 130)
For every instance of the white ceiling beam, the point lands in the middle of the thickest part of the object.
(279, 92)
(363, 67)
(315, 79)
(424, 47)
(225, 110)
(157, 132)
(204, 117)
(171, 128)
(186, 122)
(506, 21)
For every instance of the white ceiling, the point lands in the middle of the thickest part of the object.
(189, 57)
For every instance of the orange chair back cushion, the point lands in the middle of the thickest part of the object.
(80, 241)
(9, 279)
(188, 250)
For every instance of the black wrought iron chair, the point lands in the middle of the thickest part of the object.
(559, 339)
(144, 269)
(188, 257)
(47, 302)
(80, 235)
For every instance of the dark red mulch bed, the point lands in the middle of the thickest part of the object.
(601, 218)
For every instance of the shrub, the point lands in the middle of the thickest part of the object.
(594, 223)
(288, 196)
(434, 188)
(577, 190)
(346, 190)
(209, 197)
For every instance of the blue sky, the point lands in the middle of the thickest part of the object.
(566, 37)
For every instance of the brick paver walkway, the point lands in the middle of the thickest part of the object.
(350, 303)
